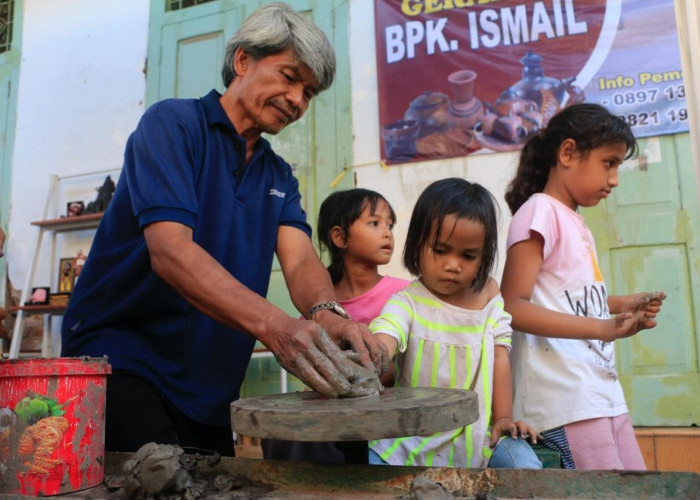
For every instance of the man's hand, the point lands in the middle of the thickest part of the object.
(357, 337)
(305, 350)
(309, 283)
(2, 241)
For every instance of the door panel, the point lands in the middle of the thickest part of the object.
(186, 49)
(651, 352)
(193, 51)
(647, 240)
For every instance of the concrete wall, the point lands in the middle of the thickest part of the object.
(80, 94)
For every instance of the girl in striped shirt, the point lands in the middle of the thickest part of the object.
(449, 329)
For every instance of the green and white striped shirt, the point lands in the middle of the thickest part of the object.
(442, 345)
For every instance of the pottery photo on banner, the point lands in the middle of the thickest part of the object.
(519, 59)
(534, 81)
(462, 84)
(465, 109)
(525, 107)
(400, 139)
(430, 111)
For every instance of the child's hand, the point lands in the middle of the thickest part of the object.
(639, 311)
(650, 304)
(621, 326)
(506, 426)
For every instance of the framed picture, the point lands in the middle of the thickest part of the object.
(40, 295)
(74, 208)
(66, 275)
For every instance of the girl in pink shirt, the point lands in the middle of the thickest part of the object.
(355, 229)
(564, 376)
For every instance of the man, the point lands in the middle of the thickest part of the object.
(181, 261)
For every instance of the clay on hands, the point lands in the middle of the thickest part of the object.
(330, 371)
(365, 381)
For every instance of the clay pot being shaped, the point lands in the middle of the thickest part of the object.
(400, 139)
(430, 111)
(462, 84)
(534, 81)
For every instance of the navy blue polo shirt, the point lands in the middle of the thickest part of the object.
(183, 163)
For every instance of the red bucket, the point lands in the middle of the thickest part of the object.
(52, 415)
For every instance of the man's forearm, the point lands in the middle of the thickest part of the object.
(307, 279)
(309, 286)
(210, 288)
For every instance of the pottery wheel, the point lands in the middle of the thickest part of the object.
(399, 411)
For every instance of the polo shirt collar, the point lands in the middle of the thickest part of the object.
(217, 116)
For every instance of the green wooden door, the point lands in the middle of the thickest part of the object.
(10, 31)
(647, 237)
(186, 49)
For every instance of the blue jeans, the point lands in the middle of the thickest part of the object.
(509, 454)
(375, 459)
(514, 454)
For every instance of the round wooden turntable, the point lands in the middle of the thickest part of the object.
(398, 411)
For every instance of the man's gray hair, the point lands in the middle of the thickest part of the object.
(275, 28)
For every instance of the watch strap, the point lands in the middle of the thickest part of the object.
(332, 306)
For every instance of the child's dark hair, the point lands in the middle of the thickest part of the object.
(463, 199)
(589, 125)
(342, 208)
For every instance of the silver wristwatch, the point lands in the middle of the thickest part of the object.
(331, 306)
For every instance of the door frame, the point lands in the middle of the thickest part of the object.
(9, 79)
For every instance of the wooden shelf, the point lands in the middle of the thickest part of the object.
(89, 221)
(40, 309)
(50, 227)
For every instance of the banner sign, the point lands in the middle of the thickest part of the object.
(460, 76)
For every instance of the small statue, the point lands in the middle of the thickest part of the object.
(104, 196)
(78, 263)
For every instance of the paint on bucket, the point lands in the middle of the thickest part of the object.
(52, 414)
